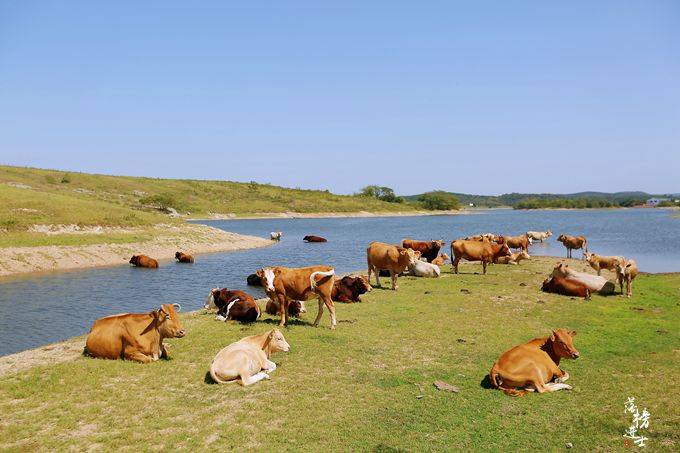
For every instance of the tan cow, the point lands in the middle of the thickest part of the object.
(599, 262)
(594, 283)
(392, 258)
(514, 258)
(626, 272)
(517, 242)
(247, 360)
(284, 284)
(441, 259)
(534, 366)
(573, 243)
(134, 336)
(483, 251)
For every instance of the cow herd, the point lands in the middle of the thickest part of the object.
(533, 366)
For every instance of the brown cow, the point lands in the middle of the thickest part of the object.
(441, 259)
(599, 262)
(428, 249)
(349, 289)
(392, 258)
(534, 366)
(483, 251)
(517, 242)
(143, 261)
(182, 257)
(573, 243)
(295, 308)
(626, 272)
(312, 238)
(232, 305)
(134, 336)
(514, 258)
(284, 284)
(566, 287)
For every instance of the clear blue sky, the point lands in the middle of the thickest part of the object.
(480, 97)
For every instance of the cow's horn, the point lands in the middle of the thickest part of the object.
(178, 307)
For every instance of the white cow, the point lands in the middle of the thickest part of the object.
(276, 235)
(539, 235)
(424, 269)
(594, 283)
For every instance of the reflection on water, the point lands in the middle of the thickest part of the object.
(43, 308)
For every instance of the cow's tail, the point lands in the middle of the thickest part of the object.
(497, 383)
(215, 378)
(312, 281)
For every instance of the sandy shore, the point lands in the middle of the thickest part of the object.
(193, 239)
(332, 215)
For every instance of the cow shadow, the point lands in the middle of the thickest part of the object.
(289, 322)
(208, 379)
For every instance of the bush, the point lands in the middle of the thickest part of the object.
(381, 193)
(66, 179)
(160, 201)
(439, 201)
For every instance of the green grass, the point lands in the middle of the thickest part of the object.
(356, 388)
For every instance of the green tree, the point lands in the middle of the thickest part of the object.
(438, 200)
(381, 193)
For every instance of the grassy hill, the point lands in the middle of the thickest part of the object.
(31, 196)
(368, 385)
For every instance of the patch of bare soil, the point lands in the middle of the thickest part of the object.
(50, 354)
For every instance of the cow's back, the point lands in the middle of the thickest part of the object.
(384, 256)
(106, 337)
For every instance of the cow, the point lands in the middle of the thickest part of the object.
(535, 366)
(428, 249)
(144, 261)
(573, 243)
(283, 284)
(565, 287)
(626, 271)
(276, 235)
(134, 336)
(595, 283)
(312, 238)
(599, 262)
(513, 258)
(182, 257)
(232, 305)
(424, 269)
(392, 258)
(484, 251)
(295, 308)
(480, 237)
(517, 242)
(247, 360)
(253, 280)
(539, 235)
(441, 259)
(349, 289)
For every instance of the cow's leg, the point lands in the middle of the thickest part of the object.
(283, 309)
(629, 287)
(369, 273)
(331, 308)
(599, 271)
(393, 276)
(247, 379)
(455, 265)
(319, 313)
(484, 267)
(377, 277)
(269, 366)
(137, 356)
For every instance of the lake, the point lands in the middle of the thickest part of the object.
(43, 308)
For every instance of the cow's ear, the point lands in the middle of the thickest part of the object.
(572, 333)
(553, 336)
(259, 273)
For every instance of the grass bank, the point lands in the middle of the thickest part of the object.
(368, 385)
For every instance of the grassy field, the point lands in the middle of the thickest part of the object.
(368, 385)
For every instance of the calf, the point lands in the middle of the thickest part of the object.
(134, 336)
(144, 261)
(534, 366)
(598, 262)
(573, 243)
(560, 285)
(232, 305)
(626, 271)
(483, 251)
(295, 308)
(392, 258)
(349, 289)
(247, 360)
(428, 249)
(441, 259)
(514, 258)
(182, 257)
(424, 269)
(314, 239)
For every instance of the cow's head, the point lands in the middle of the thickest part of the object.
(561, 238)
(437, 244)
(503, 250)
(267, 277)
(178, 255)
(523, 255)
(409, 256)
(276, 342)
(212, 297)
(134, 260)
(548, 233)
(589, 257)
(169, 324)
(445, 256)
(562, 343)
(361, 285)
(560, 270)
(623, 267)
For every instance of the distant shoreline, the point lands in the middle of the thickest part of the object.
(332, 215)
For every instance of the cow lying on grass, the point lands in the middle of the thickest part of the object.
(295, 308)
(594, 283)
(513, 258)
(441, 259)
(534, 366)
(424, 269)
(134, 336)
(232, 305)
(349, 289)
(565, 287)
(247, 360)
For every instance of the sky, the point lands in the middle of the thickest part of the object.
(480, 97)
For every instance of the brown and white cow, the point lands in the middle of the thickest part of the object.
(350, 288)
(233, 305)
(565, 287)
(626, 271)
(535, 366)
(599, 262)
(391, 258)
(517, 242)
(143, 261)
(428, 249)
(134, 336)
(484, 251)
(595, 283)
(284, 284)
(182, 257)
(574, 243)
(513, 258)
(312, 238)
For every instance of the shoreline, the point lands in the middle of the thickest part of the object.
(331, 215)
(192, 238)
